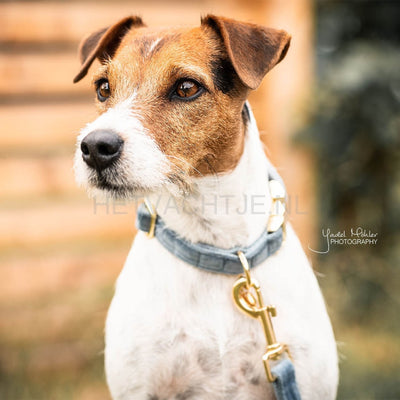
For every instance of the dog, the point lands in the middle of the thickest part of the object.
(175, 127)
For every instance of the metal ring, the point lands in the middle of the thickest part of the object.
(246, 268)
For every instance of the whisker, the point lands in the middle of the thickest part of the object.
(186, 184)
(212, 169)
(186, 162)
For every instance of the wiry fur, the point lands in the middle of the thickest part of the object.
(172, 331)
(142, 166)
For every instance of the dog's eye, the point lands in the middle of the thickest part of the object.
(188, 90)
(103, 90)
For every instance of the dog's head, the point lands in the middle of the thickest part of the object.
(171, 101)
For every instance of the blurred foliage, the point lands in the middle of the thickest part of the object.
(354, 130)
(60, 355)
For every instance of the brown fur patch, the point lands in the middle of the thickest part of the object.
(103, 44)
(201, 136)
(252, 49)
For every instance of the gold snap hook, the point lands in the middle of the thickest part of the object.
(248, 298)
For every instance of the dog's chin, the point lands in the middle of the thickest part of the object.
(110, 184)
(126, 191)
(130, 193)
(114, 183)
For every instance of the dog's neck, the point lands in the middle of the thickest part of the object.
(229, 209)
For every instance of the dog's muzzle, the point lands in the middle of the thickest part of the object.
(101, 148)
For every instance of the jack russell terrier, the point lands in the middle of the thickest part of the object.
(175, 127)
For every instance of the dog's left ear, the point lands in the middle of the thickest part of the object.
(103, 43)
(252, 49)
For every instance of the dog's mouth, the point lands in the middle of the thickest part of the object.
(122, 181)
(115, 184)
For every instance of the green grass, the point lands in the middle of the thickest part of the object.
(52, 348)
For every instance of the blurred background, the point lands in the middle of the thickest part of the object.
(329, 116)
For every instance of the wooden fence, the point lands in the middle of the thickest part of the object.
(59, 250)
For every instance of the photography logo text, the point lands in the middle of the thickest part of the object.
(355, 237)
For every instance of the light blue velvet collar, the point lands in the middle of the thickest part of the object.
(208, 257)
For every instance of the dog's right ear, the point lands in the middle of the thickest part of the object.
(104, 43)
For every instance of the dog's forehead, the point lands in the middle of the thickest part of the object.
(165, 45)
(189, 36)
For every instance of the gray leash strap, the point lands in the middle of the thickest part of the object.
(285, 386)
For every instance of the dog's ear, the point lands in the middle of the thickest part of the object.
(252, 49)
(104, 43)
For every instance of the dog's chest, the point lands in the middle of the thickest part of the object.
(173, 331)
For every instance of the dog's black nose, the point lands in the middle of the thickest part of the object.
(101, 148)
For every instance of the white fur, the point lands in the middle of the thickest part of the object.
(153, 45)
(227, 210)
(141, 163)
(173, 331)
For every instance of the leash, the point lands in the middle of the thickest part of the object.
(248, 298)
(247, 295)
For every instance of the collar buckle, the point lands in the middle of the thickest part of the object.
(278, 206)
